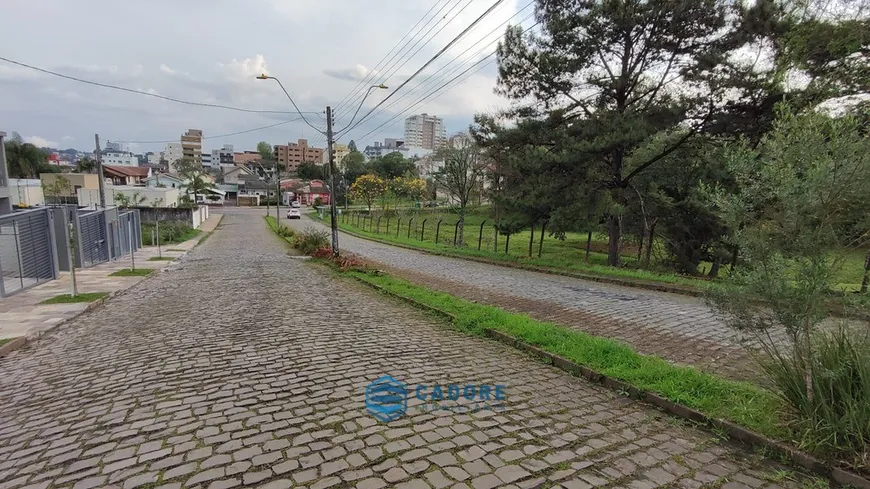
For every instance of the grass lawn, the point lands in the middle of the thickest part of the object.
(3, 341)
(161, 258)
(170, 233)
(557, 254)
(127, 272)
(68, 299)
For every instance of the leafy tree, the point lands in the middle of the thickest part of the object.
(461, 176)
(187, 166)
(391, 165)
(85, 165)
(133, 200)
(368, 188)
(351, 146)
(196, 178)
(61, 187)
(25, 160)
(606, 76)
(310, 171)
(354, 166)
(801, 191)
(265, 150)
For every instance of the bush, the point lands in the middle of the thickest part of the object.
(310, 240)
(318, 202)
(833, 416)
(285, 231)
(170, 232)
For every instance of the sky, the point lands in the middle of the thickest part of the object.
(211, 50)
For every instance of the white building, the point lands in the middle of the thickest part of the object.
(141, 196)
(117, 147)
(154, 158)
(173, 153)
(115, 158)
(425, 131)
(206, 160)
(223, 156)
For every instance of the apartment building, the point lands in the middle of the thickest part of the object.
(294, 154)
(172, 153)
(191, 145)
(118, 158)
(425, 131)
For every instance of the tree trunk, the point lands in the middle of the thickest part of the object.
(541, 242)
(614, 233)
(649, 245)
(714, 269)
(866, 279)
(461, 239)
(495, 241)
(734, 259)
(588, 244)
(531, 238)
(507, 244)
(640, 246)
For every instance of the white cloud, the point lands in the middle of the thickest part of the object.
(166, 69)
(40, 142)
(355, 73)
(245, 69)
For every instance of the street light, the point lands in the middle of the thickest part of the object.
(330, 143)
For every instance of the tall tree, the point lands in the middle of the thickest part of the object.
(368, 188)
(354, 166)
(85, 165)
(351, 146)
(392, 165)
(265, 150)
(461, 176)
(310, 171)
(611, 74)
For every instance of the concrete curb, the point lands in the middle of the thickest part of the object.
(12, 346)
(733, 431)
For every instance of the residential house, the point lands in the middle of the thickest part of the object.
(246, 157)
(235, 175)
(125, 175)
(90, 181)
(306, 192)
(163, 180)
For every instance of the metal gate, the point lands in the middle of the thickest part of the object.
(28, 254)
(92, 245)
(129, 231)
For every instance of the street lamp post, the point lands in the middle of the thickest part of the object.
(330, 149)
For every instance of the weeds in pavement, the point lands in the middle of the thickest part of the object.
(68, 299)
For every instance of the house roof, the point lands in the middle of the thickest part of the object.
(238, 168)
(165, 177)
(126, 171)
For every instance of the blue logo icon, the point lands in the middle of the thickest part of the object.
(386, 398)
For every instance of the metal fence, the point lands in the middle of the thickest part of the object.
(91, 241)
(28, 252)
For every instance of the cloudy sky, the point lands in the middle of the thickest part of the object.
(210, 50)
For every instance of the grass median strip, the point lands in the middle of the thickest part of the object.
(743, 403)
(161, 258)
(127, 272)
(68, 299)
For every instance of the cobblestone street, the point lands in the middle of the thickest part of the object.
(243, 365)
(678, 328)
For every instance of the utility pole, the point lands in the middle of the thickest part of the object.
(333, 223)
(278, 193)
(99, 158)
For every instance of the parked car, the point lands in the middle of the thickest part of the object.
(294, 214)
(295, 204)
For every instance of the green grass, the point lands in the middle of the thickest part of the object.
(127, 272)
(558, 255)
(3, 341)
(161, 258)
(175, 250)
(68, 299)
(170, 233)
(743, 403)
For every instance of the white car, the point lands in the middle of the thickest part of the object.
(295, 204)
(294, 214)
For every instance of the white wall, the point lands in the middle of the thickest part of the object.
(26, 192)
(91, 197)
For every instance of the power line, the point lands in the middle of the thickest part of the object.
(391, 69)
(355, 89)
(456, 68)
(431, 60)
(215, 137)
(409, 58)
(434, 93)
(141, 92)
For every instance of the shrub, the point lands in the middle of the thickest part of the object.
(285, 231)
(833, 416)
(310, 240)
(170, 232)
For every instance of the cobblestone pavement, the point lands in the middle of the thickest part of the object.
(245, 366)
(678, 328)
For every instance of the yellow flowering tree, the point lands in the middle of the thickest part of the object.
(368, 188)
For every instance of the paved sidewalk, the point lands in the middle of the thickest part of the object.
(22, 315)
(242, 365)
